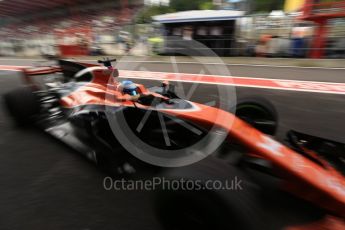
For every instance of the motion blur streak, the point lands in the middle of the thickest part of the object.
(279, 84)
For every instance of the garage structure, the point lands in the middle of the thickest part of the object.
(213, 28)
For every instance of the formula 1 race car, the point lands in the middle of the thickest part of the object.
(77, 106)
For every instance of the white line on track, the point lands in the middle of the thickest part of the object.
(235, 77)
(198, 63)
(12, 70)
(229, 64)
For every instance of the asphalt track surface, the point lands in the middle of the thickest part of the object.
(44, 185)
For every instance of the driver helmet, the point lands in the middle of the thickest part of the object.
(128, 87)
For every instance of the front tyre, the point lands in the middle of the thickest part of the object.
(204, 209)
(258, 112)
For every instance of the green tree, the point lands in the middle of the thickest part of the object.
(183, 5)
(206, 6)
(145, 16)
(267, 5)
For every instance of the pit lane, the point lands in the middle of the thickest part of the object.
(45, 185)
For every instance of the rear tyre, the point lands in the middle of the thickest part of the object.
(22, 104)
(205, 209)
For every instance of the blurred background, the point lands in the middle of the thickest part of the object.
(261, 28)
(44, 186)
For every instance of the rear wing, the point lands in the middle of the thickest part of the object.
(69, 68)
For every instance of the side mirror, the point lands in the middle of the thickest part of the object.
(165, 86)
(165, 83)
(169, 89)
